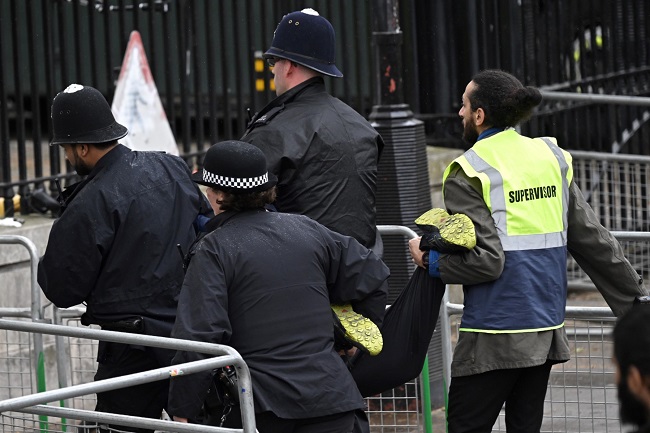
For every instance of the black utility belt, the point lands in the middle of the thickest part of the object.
(133, 325)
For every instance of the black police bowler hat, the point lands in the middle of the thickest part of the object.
(80, 114)
(306, 38)
(235, 167)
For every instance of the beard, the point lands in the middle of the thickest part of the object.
(470, 133)
(80, 166)
(632, 411)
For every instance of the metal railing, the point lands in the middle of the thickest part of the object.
(595, 97)
(416, 395)
(581, 394)
(35, 312)
(204, 58)
(570, 406)
(30, 379)
(224, 356)
(406, 407)
(616, 123)
(615, 186)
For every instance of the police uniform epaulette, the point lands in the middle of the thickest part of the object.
(269, 115)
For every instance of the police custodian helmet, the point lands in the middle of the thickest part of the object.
(308, 39)
(80, 114)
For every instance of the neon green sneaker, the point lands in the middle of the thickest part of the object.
(446, 233)
(356, 330)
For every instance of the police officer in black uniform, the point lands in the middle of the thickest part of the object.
(114, 247)
(262, 282)
(323, 152)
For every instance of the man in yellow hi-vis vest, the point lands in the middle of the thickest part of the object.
(527, 214)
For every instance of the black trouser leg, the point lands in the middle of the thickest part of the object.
(525, 404)
(147, 400)
(475, 401)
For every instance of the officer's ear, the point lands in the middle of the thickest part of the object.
(479, 116)
(83, 149)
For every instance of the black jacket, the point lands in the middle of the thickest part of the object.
(325, 156)
(114, 246)
(262, 282)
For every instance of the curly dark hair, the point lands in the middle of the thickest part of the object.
(246, 201)
(505, 101)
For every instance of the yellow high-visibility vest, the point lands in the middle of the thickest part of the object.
(525, 185)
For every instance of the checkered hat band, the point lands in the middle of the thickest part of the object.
(235, 182)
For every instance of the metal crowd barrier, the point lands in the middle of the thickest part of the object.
(34, 403)
(18, 376)
(582, 393)
(398, 410)
(406, 408)
(614, 185)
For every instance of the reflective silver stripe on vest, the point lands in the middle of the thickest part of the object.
(497, 201)
(533, 242)
(564, 169)
(498, 205)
